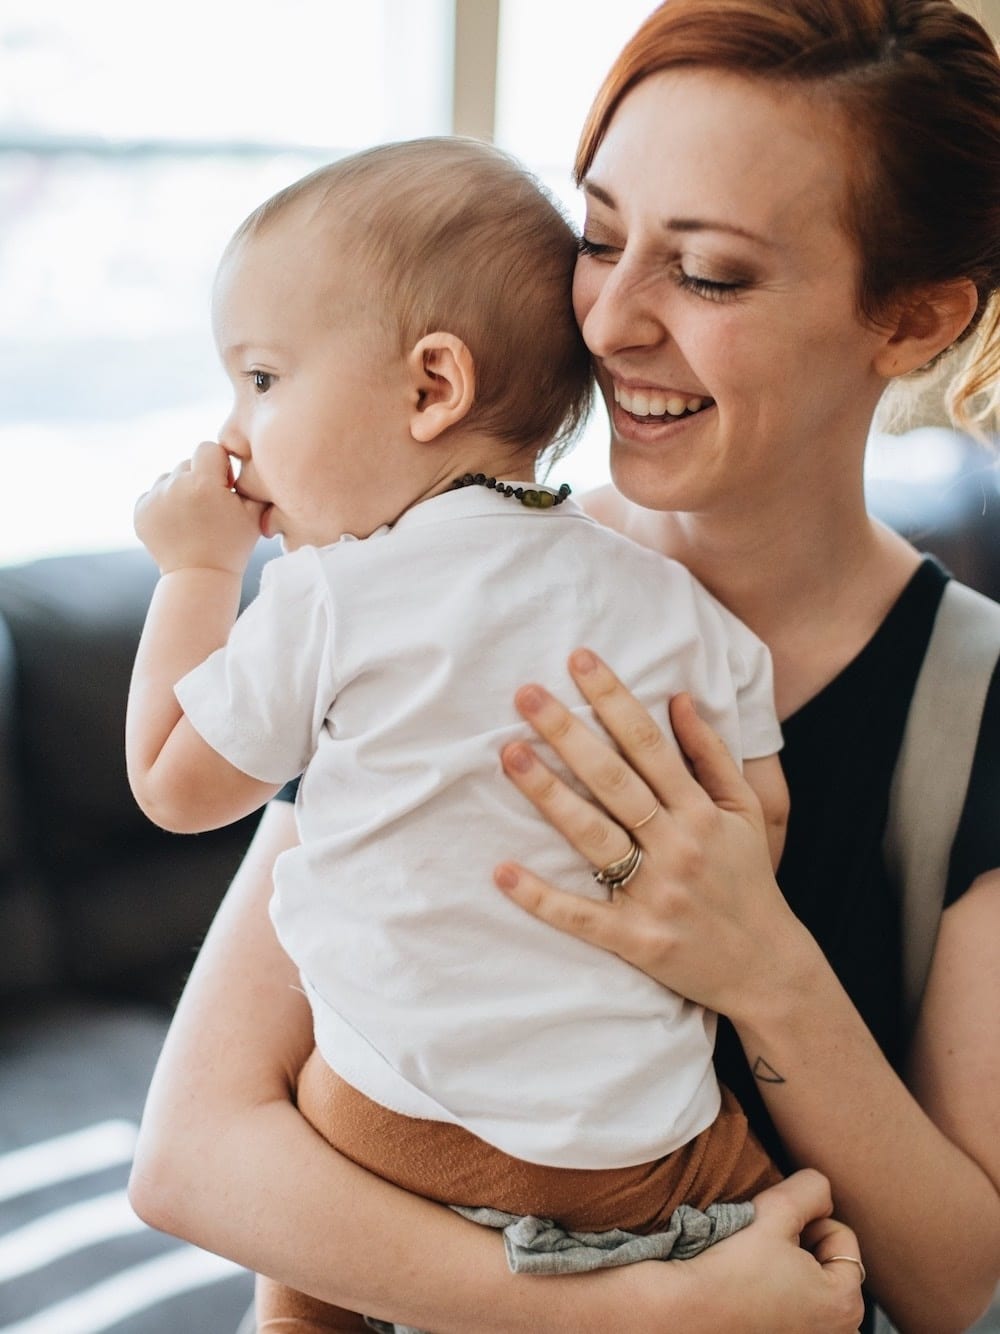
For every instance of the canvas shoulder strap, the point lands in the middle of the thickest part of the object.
(932, 771)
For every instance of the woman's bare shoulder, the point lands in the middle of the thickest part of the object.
(609, 506)
(606, 505)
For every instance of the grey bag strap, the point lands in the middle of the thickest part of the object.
(932, 771)
(932, 777)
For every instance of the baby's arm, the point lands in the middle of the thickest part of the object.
(201, 534)
(767, 779)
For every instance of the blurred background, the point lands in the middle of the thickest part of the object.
(133, 139)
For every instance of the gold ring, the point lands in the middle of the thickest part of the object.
(851, 1259)
(617, 874)
(645, 819)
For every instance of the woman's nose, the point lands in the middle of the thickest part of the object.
(616, 311)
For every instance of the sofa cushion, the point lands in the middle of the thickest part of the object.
(89, 889)
(75, 622)
(28, 948)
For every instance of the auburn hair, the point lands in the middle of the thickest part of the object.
(918, 83)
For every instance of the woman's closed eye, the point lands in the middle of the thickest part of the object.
(710, 288)
(598, 249)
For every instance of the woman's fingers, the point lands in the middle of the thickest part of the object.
(833, 1242)
(628, 784)
(646, 748)
(587, 828)
(796, 1203)
(593, 920)
(708, 755)
(800, 1208)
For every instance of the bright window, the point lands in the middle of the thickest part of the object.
(133, 139)
(131, 146)
(132, 142)
(550, 64)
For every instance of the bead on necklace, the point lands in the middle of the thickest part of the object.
(536, 498)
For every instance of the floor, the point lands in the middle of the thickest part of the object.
(74, 1259)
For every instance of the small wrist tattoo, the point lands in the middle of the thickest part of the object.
(765, 1073)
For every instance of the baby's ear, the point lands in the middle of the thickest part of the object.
(443, 381)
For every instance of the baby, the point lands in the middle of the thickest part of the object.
(398, 331)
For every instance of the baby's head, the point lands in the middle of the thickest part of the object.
(408, 240)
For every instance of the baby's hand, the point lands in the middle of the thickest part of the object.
(191, 517)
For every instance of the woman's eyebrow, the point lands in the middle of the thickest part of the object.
(706, 225)
(597, 192)
(603, 196)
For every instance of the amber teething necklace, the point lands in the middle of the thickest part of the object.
(535, 498)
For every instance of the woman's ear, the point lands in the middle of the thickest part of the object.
(443, 380)
(926, 323)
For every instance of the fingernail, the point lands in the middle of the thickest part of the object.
(519, 758)
(530, 699)
(505, 877)
(583, 661)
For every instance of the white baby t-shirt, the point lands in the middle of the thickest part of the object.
(385, 669)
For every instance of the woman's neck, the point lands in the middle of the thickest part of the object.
(814, 583)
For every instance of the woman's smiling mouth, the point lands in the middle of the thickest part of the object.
(662, 403)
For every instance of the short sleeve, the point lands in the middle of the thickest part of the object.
(262, 699)
(753, 677)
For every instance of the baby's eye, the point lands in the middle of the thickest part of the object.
(262, 381)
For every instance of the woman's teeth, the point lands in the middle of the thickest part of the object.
(643, 403)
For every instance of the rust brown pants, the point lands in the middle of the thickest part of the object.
(448, 1164)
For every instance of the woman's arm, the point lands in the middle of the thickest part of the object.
(705, 916)
(225, 1160)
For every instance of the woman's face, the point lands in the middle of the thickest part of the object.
(716, 289)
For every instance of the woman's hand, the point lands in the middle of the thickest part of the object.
(763, 1280)
(703, 914)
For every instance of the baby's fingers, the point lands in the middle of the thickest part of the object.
(211, 461)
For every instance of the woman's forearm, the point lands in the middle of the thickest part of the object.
(318, 1223)
(896, 1176)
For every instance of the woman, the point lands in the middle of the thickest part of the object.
(790, 205)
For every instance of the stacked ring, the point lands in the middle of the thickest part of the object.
(617, 874)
